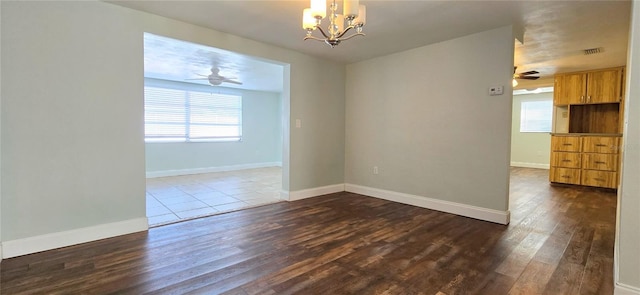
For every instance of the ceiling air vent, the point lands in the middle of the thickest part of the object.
(592, 51)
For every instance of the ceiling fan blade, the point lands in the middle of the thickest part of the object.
(530, 73)
(198, 79)
(233, 81)
(528, 78)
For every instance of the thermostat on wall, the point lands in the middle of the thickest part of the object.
(495, 90)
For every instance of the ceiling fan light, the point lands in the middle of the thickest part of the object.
(514, 83)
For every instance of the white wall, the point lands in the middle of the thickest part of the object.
(72, 145)
(529, 149)
(72, 118)
(261, 143)
(628, 232)
(425, 119)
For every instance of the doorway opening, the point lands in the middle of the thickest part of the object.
(532, 117)
(214, 130)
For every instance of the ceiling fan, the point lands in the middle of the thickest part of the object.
(215, 79)
(525, 75)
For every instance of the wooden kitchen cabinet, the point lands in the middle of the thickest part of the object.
(603, 162)
(592, 87)
(565, 159)
(569, 89)
(600, 144)
(600, 161)
(566, 144)
(585, 160)
(604, 86)
(565, 175)
(587, 149)
(599, 178)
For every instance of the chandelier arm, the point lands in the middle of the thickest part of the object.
(356, 34)
(344, 32)
(322, 32)
(313, 38)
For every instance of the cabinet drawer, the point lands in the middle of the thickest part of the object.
(600, 178)
(604, 162)
(566, 160)
(595, 144)
(564, 175)
(565, 143)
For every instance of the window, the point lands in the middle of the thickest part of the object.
(535, 116)
(183, 115)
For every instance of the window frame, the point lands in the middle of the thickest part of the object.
(530, 127)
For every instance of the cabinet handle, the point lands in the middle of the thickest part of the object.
(567, 144)
(601, 145)
(565, 160)
(600, 162)
(589, 98)
(582, 98)
(565, 176)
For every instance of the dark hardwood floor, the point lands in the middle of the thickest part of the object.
(560, 241)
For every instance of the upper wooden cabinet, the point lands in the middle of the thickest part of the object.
(569, 89)
(602, 86)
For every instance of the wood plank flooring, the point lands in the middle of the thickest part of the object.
(560, 241)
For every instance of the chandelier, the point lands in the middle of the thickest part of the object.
(354, 15)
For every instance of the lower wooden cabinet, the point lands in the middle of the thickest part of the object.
(565, 175)
(585, 160)
(603, 162)
(599, 178)
(566, 160)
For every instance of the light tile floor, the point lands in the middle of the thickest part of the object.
(178, 198)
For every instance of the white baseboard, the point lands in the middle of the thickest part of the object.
(491, 215)
(72, 237)
(165, 173)
(284, 195)
(530, 165)
(312, 192)
(622, 289)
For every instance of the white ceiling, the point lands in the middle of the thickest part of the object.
(176, 60)
(555, 32)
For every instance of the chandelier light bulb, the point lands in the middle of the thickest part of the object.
(319, 8)
(350, 8)
(362, 16)
(308, 21)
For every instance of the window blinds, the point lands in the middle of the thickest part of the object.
(535, 116)
(174, 115)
